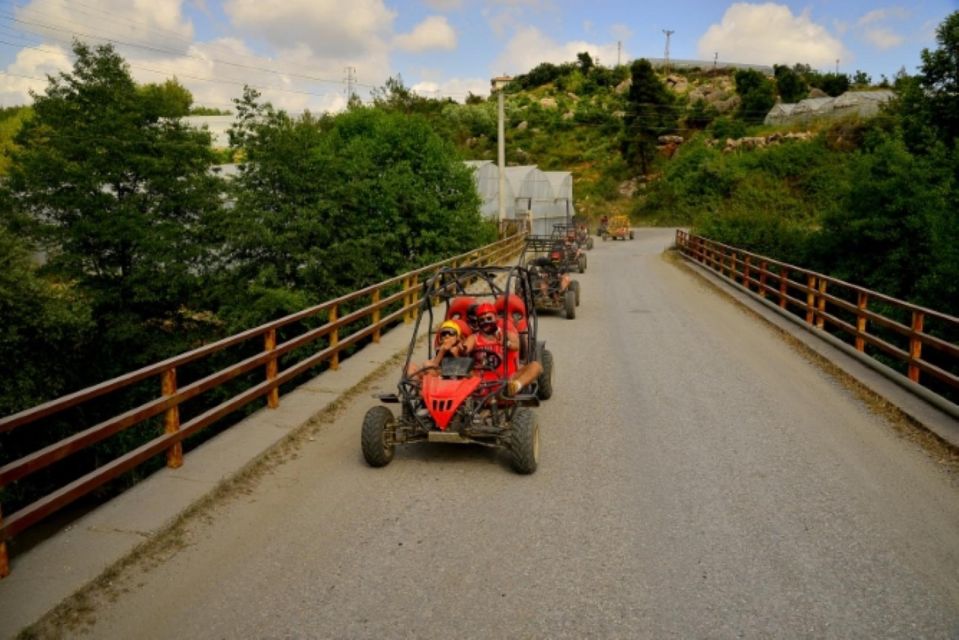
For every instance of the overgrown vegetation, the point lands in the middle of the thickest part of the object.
(121, 247)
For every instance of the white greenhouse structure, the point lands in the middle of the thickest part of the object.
(544, 197)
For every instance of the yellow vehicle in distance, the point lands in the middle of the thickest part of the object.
(618, 229)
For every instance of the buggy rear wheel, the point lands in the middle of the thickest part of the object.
(630, 234)
(524, 441)
(574, 285)
(377, 447)
(582, 263)
(589, 243)
(544, 390)
(570, 304)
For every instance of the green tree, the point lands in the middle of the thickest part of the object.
(328, 205)
(790, 84)
(650, 113)
(46, 327)
(168, 100)
(701, 114)
(118, 196)
(861, 79)
(834, 84)
(939, 79)
(756, 93)
(882, 235)
(585, 61)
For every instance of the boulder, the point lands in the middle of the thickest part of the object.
(548, 103)
(624, 86)
(522, 126)
(670, 140)
(568, 115)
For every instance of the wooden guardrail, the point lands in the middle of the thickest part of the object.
(403, 290)
(870, 322)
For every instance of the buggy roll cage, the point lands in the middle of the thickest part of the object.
(449, 283)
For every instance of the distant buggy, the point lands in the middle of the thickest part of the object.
(552, 287)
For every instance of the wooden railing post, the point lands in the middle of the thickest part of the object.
(763, 268)
(376, 317)
(272, 368)
(416, 296)
(915, 344)
(821, 316)
(861, 303)
(334, 338)
(171, 419)
(4, 558)
(783, 286)
(746, 274)
(407, 318)
(810, 298)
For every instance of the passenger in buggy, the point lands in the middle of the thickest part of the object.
(451, 340)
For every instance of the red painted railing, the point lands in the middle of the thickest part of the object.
(873, 324)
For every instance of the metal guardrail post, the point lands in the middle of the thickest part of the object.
(406, 300)
(915, 344)
(810, 298)
(334, 338)
(272, 367)
(746, 274)
(821, 306)
(4, 558)
(171, 419)
(861, 302)
(763, 269)
(783, 286)
(376, 317)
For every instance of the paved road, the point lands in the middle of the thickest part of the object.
(698, 480)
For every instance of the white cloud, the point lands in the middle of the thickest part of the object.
(433, 33)
(28, 72)
(158, 23)
(456, 88)
(883, 38)
(325, 26)
(882, 15)
(870, 26)
(529, 46)
(444, 5)
(770, 34)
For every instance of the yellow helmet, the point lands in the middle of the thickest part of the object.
(453, 326)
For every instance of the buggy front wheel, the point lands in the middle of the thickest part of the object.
(376, 441)
(574, 285)
(570, 304)
(524, 441)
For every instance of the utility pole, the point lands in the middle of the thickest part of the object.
(619, 52)
(350, 71)
(501, 155)
(715, 60)
(668, 32)
(837, 66)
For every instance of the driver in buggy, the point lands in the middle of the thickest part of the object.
(486, 346)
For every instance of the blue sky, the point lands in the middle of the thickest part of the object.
(297, 51)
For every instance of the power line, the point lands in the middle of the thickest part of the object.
(174, 52)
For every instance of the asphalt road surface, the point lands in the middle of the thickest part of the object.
(698, 479)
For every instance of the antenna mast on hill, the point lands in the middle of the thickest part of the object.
(668, 33)
(619, 52)
(350, 72)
